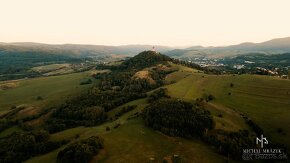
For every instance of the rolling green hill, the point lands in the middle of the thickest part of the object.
(255, 96)
(262, 98)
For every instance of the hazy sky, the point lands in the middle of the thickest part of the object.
(162, 22)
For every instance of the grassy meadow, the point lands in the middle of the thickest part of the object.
(264, 99)
(40, 92)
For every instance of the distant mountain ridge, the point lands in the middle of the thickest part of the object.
(274, 46)
(77, 49)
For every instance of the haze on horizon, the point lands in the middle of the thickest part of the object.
(155, 22)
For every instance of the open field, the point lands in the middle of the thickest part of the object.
(43, 91)
(51, 67)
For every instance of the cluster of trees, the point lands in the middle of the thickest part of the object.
(230, 143)
(67, 116)
(257, 129)
(208, 97)
(158, 75)
(19, 147)
(124, 110)
(81, 151)
(4, 124)
(177, 118)
(207, 70)
(14, 123)
(158, 94)
(187, 64)
(89, 81)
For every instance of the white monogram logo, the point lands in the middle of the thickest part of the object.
(263, 141)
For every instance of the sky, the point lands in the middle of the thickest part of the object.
(153, 22)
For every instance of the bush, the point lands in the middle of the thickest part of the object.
(230, 143)
(124, 110)
(89, 81)
(39, 98)
(210, 97)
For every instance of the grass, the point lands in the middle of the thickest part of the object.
(226, 118)
(52, 90)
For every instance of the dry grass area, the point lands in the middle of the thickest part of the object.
(51, 67)
(39, 121)
(95, 72)
(28, 111)
(9, 85)
(163, 67)
(118, 56)
(144, 74)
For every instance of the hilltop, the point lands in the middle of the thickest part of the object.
(146, 59)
